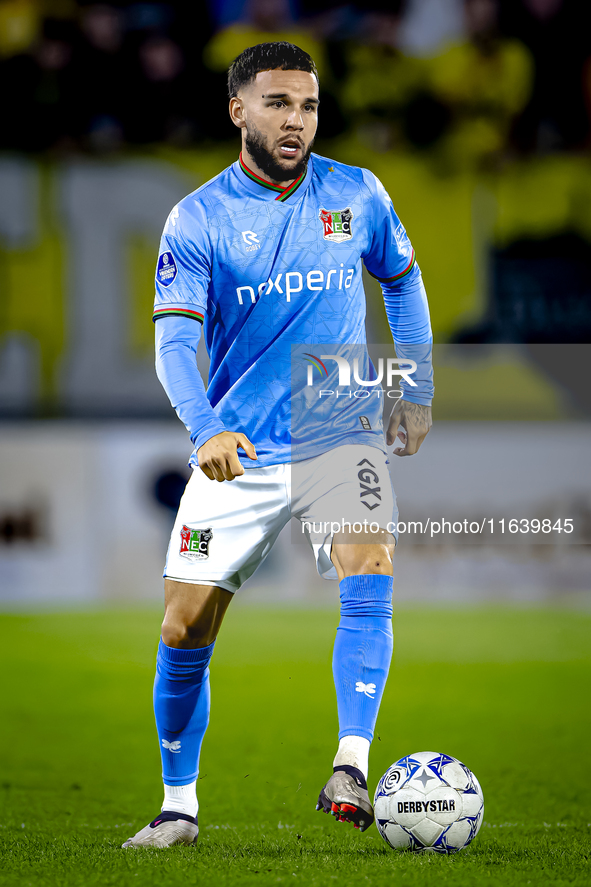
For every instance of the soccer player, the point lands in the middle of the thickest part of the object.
(266, 258)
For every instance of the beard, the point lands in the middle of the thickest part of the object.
(256, 145)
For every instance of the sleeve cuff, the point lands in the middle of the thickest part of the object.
(173, 311)
(399, 276)
(422, 399)
(213, 428)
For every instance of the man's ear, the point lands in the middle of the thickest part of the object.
(237, 114)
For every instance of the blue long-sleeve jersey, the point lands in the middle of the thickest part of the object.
(275, 278)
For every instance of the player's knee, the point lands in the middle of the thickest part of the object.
(356, 560)
(186, 634)
(380, 566)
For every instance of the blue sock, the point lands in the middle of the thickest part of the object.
(181, 707)
(362, 651)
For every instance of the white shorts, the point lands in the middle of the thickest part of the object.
(223, 531)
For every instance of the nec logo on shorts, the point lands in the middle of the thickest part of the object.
(367, 477)
(195, 543)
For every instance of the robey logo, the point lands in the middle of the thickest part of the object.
(367, 689)
(251, 240)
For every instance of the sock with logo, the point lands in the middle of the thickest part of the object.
(181, 707)
(362, 654)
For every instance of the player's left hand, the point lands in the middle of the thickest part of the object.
(410, 423)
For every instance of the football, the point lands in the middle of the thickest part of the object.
(428, 802)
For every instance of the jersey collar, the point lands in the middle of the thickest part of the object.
(260, 187)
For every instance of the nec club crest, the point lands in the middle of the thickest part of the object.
(195, 543)
(336, 224)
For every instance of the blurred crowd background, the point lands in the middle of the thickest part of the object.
(472, 80)
(475, 114)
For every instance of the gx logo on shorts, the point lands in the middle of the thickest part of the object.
(369, 476)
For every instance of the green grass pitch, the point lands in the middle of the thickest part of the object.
(504, 690)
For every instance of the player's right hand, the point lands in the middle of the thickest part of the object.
(410, 423)
(218, 457)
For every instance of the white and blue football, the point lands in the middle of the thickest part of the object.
(428, 802)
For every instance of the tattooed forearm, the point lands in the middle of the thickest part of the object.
(416, 416)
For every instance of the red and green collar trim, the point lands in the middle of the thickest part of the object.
(282, 193)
